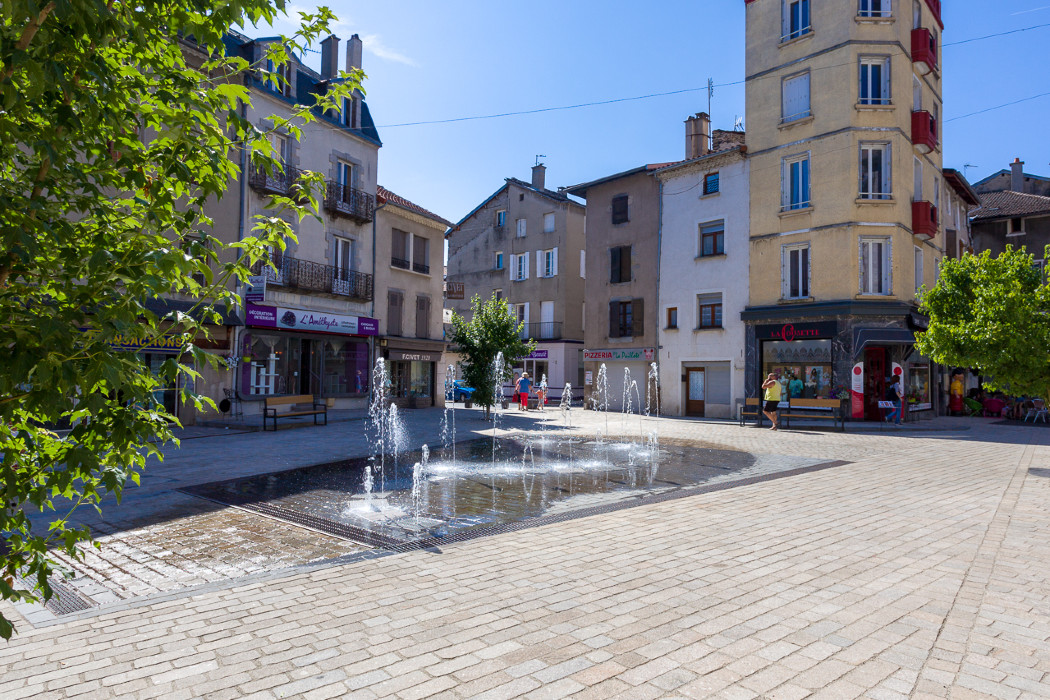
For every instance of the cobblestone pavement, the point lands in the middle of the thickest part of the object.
(918, 570)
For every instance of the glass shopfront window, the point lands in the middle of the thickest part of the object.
(918, 391)
(411, 378)
(282, 363)
(802, 366)
(422, 378)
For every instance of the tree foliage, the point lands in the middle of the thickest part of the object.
(492, 329)
(119, 123)
(991, 314)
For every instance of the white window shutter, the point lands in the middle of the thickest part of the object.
(555, 270)
(785, 186)
(526, 315)
(513, 266)
(785, 18)
(887, 160)
(540, 272)
(803, 94)
(886, 82)
(785, 273)
(583, 264)
(526, 257)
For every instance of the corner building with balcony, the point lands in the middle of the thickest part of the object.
(843, 123)
(309, 326)
(525, 244)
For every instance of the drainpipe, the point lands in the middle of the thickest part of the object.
(656, 311)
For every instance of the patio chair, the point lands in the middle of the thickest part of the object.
(1037, 411)
(974, 407)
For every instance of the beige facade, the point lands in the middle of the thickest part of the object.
(408, 286)
(315, 333)
(525, 243)
(844, 108)
(622, 261)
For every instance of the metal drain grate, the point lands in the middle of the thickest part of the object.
(394, 545)
(65, 600)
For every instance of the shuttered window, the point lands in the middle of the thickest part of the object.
(422, 317)
(395, 304)
(620, 264)
(795, 97)
(619, 209)
(626, 318)
(399, 249)
(421, 255)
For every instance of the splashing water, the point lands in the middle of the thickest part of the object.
(448, 427)
(419, 495)
(376, 427)
(600, 399)
(566, 404)
(630, 391)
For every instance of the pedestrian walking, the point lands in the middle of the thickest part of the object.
(893, 394)
(772, 399)
(541, 393)
(522, 387)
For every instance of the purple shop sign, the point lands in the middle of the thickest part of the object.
(537, 355)
(317, 322)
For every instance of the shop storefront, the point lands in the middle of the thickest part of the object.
(620, 364)
(413, 369)
(801, 355)
(294, 351)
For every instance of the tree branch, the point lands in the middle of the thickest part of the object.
(29, 32)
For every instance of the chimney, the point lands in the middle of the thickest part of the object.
(539, 173)
(353, 62)
(1017, 175)
(329, 57)
(697, 131)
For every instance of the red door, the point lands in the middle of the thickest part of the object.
(874, 381)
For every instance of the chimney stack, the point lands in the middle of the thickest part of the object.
(539, 175)
(697, 131)
(329, 57)
(353, 62)
(1017, 175)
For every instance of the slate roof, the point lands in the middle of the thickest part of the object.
(556, 196)
(1008, 204)
(383, 195)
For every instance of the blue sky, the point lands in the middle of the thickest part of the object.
(430, 61)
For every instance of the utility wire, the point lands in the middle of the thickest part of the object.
(992, 36)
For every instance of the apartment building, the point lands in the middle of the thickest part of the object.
(960, 198)
(844, 109)
(703, 274)
(309, 324)
(409, 248)
(1012, 216)
(524, 244)
(623, 218)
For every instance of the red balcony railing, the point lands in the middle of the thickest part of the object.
(923, 131)
(924, 219)
(924, 50)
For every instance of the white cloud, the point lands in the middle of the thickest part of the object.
(374, 45)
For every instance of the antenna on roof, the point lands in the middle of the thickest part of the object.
(538, 159)
(966, 166)
(738, 125)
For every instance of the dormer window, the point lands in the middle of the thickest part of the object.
(284, 77)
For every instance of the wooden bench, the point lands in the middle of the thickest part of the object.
(816, 409)
(298, 404)
(749, 408)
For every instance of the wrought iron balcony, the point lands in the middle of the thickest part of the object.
(548, 330)
(420, 267)
(343, 200)
(317, 277)
(276, 182)
(400, 263)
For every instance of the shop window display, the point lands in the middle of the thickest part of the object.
(917, 388)
(802, 366)
(282, 364)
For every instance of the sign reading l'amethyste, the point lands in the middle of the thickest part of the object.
(313, 321)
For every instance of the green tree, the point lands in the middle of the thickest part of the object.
(990, 313)
(491, 330)
(119, 122)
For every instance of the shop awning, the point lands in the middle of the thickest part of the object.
(881, 336)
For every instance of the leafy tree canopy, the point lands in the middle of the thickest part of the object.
(492, 329)
(119, 122)
(991, 314)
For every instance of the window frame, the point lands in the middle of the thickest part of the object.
(708, 187)
(884, 84)
(621, 209)
(867, 261)
(499, 260)
(805, 20)
(549, 217)
(501, 218)
(715, 234)
(672, 318)
(787, 191)
(617, 264)
(550, 262)
(786, 118)
(868, 171)
(919, 269)
(520, 228)
(713, 306)
(804, 264)
(870, 12)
